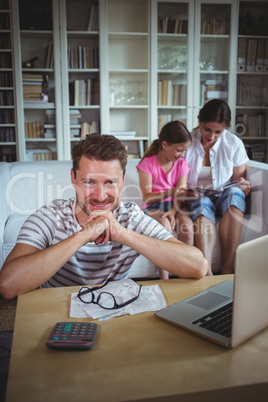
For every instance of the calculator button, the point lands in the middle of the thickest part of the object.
(67, 327)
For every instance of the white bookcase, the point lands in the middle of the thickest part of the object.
(251, 108)
(32, 36)
(126, 43)
(8, 126)
(80, 70)
(146, 62)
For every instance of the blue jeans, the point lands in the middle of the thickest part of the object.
(159, 206)
(212, 207)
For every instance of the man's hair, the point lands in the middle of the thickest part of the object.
(99, 147)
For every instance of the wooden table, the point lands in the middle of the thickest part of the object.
(135, 357)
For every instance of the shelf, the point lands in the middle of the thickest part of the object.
(79, 34)
(131, 53)
(34, 140)
(38, 105)
(35, 33)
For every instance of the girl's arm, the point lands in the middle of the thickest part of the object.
(146, 185)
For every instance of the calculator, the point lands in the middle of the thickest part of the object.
(72, 335)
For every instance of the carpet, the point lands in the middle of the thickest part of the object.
(7, 318)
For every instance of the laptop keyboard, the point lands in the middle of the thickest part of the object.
(219, 321)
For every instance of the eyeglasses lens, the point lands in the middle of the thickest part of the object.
(106, 300)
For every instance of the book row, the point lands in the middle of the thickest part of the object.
(165, 118)
(254, 125)
(85, 129)
(215, 27)
(34, 130)
(7, 134)
(251, 95)
(74, 115)
(4, 5)
(7, 116)
(83, 57)
(252, 54)
(4, 21)
(171, 94)
(5, 60)
(84, 92)
(35, 86)
(213, 89)
(6, 79)
(172, 25)
(5, 42)
(8, 156)
(35, 155)
(6, 98)
(256, 151)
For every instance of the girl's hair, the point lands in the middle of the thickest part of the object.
(215, 110)
(99, 147)
(174, 132)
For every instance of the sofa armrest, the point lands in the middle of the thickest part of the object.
(257, 219)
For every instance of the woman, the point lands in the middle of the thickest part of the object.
(216, 157)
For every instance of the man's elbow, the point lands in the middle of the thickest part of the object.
(6, 291)
(201, 269)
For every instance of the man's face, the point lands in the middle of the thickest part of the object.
(98, 184)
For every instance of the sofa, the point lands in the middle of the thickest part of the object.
(26, 186)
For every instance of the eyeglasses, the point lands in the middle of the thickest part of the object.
(104, 299)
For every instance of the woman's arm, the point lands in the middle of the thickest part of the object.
(239, 174)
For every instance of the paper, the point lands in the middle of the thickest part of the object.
(150, 299)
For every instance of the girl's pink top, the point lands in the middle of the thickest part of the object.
(162, 181)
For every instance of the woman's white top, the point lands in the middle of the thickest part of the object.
(227, 152)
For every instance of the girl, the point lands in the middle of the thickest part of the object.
(163, 176)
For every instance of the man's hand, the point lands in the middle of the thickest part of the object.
(96, 230)
(112, 230)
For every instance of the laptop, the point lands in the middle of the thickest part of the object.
(241, 305)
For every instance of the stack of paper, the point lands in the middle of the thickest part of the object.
(150, 299)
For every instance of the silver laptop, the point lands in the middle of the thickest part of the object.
(231, 312)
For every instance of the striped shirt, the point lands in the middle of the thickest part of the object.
(91, 264)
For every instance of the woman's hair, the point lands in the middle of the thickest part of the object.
(174, 132)
(99, 147)
(217, 111)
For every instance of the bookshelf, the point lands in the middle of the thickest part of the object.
(37, 74)
(8, 133)
(172, 62)
(192, 44)
(126, 67)
(127, 44)
(252, 78)
(81, 70)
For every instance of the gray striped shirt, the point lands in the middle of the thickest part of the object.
(91, 264)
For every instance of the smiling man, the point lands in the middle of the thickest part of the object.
(95, 237)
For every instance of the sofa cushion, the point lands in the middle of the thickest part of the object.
(12, 228)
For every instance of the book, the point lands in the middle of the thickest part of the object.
(242, 54)
(209, 191)
(49, 55)
(93, 18)
(260, 55)
(85, 129)
(251, 54)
